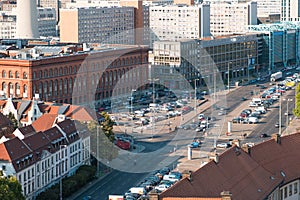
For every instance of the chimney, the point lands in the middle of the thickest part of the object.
(215, 158)
(236, 142)
(226, 195)
(153, 195)
(246, 148)
(276, 137)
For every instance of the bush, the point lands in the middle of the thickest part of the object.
(84, 174)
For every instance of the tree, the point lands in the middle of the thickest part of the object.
(107, 126)
(13, 120)
(104, 138)
(10, 188)
(296, 110)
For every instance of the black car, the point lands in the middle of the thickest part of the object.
(264, 135)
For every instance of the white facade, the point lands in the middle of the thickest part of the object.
(227, 18)
(40, 168)
(27, 26)
(290, 10)
(268, 7)
(46, 23)
(173, 22)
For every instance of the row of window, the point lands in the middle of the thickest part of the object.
(13, 75)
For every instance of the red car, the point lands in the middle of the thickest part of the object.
(123, 144)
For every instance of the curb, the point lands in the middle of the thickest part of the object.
(86, 187)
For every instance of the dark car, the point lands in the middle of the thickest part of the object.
(264, 135)
(243, 99)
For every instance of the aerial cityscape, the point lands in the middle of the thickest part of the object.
(149, 100)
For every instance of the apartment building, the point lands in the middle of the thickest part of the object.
(46, 23)
(290, 10)
(40, 159)
(66, 74)
(227, 18)
(174, 22)
(114, 25)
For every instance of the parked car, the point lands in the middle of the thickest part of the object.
(162, 187)
(223, 145)
(252, 120)
(264, 135)
(194, 144)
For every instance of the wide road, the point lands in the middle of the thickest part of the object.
(119, 182)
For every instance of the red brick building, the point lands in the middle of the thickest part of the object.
(74, 77)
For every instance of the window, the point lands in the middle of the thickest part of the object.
(25, 75)
(285, 192)
(295, 188)
(10, 74)
(17, 74)
(3, 167)
(290, 190)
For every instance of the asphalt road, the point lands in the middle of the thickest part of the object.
(119, 182)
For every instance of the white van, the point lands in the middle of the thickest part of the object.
(171, 177)
(153, 105)
(257, 101)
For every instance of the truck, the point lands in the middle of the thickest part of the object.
(276, 76)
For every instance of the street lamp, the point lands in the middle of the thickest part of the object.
(153, 101)
(196, 95)
(287, 113)
(60, 179)
(279, 130)
(131, 106)
(228, 67)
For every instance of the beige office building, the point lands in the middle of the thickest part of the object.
(228, 18)
(173, 22)
(97, 25)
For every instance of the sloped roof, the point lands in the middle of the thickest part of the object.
(4, 154)
(81, 113)
(44, 122)
(246, 176)
(4, 121)
(27, 130)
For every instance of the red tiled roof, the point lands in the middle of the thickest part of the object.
(246, 176)
(80, 113)
(4, 154)
(45, 122)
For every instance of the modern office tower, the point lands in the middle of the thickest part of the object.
(290, 10)
(173, 22)
(27, 26)
(46, 22)
(98, 24)
(280, 45)
(227, 18)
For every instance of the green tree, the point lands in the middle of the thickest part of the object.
(107, 126)
(10, 188)
(296, 110)
(102, 145)
(13, 120)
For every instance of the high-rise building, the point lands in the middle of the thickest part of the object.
(174, 22)
(227, 18)
(98, 24)
(290, 10)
